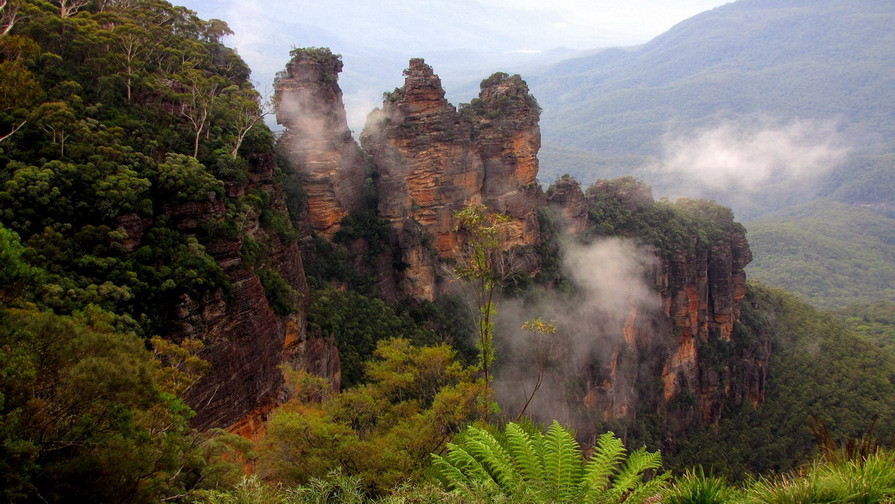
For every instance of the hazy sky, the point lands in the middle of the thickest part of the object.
(420, 26)
(464, 40)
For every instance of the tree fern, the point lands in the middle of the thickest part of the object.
(536, 467)
(473, 469)
(524, 454)
(608, 453)
(494, 458)
(450, 476)
(631, 475)
(562, 462)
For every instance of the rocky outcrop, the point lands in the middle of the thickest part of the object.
(567, 200)
(433, 161)
(428, 169)
(678, 354)
(690, 343)
(321, 151)
(505, 127)
(702, 292)
(245, 340)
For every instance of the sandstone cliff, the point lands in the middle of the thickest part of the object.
(683, 360)
(245, 339)
(566, 198)
(321, 151)
(690, 344)
(434, 160)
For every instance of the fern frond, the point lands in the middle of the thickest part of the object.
(448, 474)
(562, 462)
(493, 457)
(524, 454)
(631, 474)
(472, 468)
(647, 490)
(609, 451)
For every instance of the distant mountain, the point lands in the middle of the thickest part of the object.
(781, 110)
(823, 60)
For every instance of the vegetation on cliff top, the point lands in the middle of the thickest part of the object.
(625, 207)
(507, 95)
(136, 121)
(126, 132)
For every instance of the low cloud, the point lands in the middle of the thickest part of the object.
(611, 279)
(358, 106)
(749, 156)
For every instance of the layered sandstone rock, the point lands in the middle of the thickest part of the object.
(702, 292)
(689, 343)
(245, 340)
(505, 127)
(428, 170)
(322, 153)
(678, 354)
(566, 198)
(433, 161)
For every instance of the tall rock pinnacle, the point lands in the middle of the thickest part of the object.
(433, 161)
(317, 140)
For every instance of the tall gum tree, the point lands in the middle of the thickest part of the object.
(9, 13)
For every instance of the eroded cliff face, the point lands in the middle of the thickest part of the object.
(433, 161)
(321, 151)
(430, 160)
(245, 340)
(567, 200)
(690, 344)
(702, 293)
(505, 127)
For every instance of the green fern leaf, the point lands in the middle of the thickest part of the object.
(609, 451)
(524, 454)
(472, 468)
(648, 490)
(493, 457)
(631, 474)
(562, 462)
(449, 475)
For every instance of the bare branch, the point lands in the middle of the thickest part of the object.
(9, 12)
(17, 128)
(68, 8)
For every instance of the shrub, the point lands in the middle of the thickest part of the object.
(280, 295)
(694, 487)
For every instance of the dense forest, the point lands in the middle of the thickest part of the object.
(122, 120)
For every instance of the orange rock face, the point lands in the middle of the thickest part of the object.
(244, 338)
(433, 161)
(317, 141)
(567, 200)
(689, 343)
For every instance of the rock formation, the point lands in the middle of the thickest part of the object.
(505, 127)
(566, 198)
(430, 160)
(245, 340)
(317, 141)
(689, 344)
(433, 161)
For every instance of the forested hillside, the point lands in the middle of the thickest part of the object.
(763, 107)
(808, 60)
(179, 324)
(831, 253)
(821, 375)
(128, 135)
